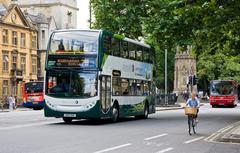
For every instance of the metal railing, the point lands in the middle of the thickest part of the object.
(171, 99)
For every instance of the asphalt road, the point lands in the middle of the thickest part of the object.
(165, 131)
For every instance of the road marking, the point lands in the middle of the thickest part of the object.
(193, 140)
(157, 136)
(25, 125)
(113, 148)
(165, 150)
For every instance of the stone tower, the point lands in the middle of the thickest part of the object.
(185, 65)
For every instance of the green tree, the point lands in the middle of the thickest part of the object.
(211, 27)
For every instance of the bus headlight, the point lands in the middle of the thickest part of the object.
(49, 104)
(89, 106)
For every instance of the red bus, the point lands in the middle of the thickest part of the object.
(32, 93)
(223, 92)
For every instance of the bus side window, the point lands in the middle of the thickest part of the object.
(146, 88)
(115, 47)
(132, 51)
(107, 44)
(116, 86)
(124, 85)
(139, 88)
(139, 53)
(132, 88)
(124, 49)
(152, 56)
(146, 55)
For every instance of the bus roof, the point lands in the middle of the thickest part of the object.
(114, 35)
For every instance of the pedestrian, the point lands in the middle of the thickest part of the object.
(10, 102)
(14, 102)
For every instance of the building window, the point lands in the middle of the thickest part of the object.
(23, 64)
(34, 65)
(23, 40)
(34, 41)
(43, 38)
(14, 88)
(14, 61)
(14, 38)
(5, 87)
(5, 62)
(5, 36)
(69, 17)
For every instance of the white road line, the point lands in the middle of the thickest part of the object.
(113, 148)
(157, 136)
(25, 125)
(193, 140)
(165, 150)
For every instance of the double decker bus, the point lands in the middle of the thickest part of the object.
(98, 75)
(32, 95)
(223, 92)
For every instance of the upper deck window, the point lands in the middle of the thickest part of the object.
(74, 42)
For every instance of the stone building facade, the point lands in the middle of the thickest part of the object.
(49, 15)
(63, 11)
(185, 65)
(18, 50)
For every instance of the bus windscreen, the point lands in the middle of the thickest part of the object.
(33, 87)
(222, 88)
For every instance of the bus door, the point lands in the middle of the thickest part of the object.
(105, 92)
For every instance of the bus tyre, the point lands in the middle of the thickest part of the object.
(145, 115)
(67, 120)
(115, 114)
(146, 112)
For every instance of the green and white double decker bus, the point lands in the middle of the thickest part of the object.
(94, 74)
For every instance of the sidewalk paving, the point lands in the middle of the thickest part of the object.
(16, 110)
(170, 107)
(232, 135)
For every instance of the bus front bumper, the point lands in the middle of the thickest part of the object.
(222, 102)
(92, 113)
(33, 104)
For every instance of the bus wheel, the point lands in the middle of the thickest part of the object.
(145, 115)
(115, 113)
(146, 112)
(67, 119)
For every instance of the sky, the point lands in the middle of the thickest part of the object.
(83, 14)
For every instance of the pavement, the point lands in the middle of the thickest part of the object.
(16, 110)
(231, 134)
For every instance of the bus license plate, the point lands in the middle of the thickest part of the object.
(35, 102)
(70, 115)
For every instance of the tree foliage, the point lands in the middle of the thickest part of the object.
(211, 27)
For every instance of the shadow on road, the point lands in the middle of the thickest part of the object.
(94, 122)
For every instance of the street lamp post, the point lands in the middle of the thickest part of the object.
(166, 97)
(90, 14)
